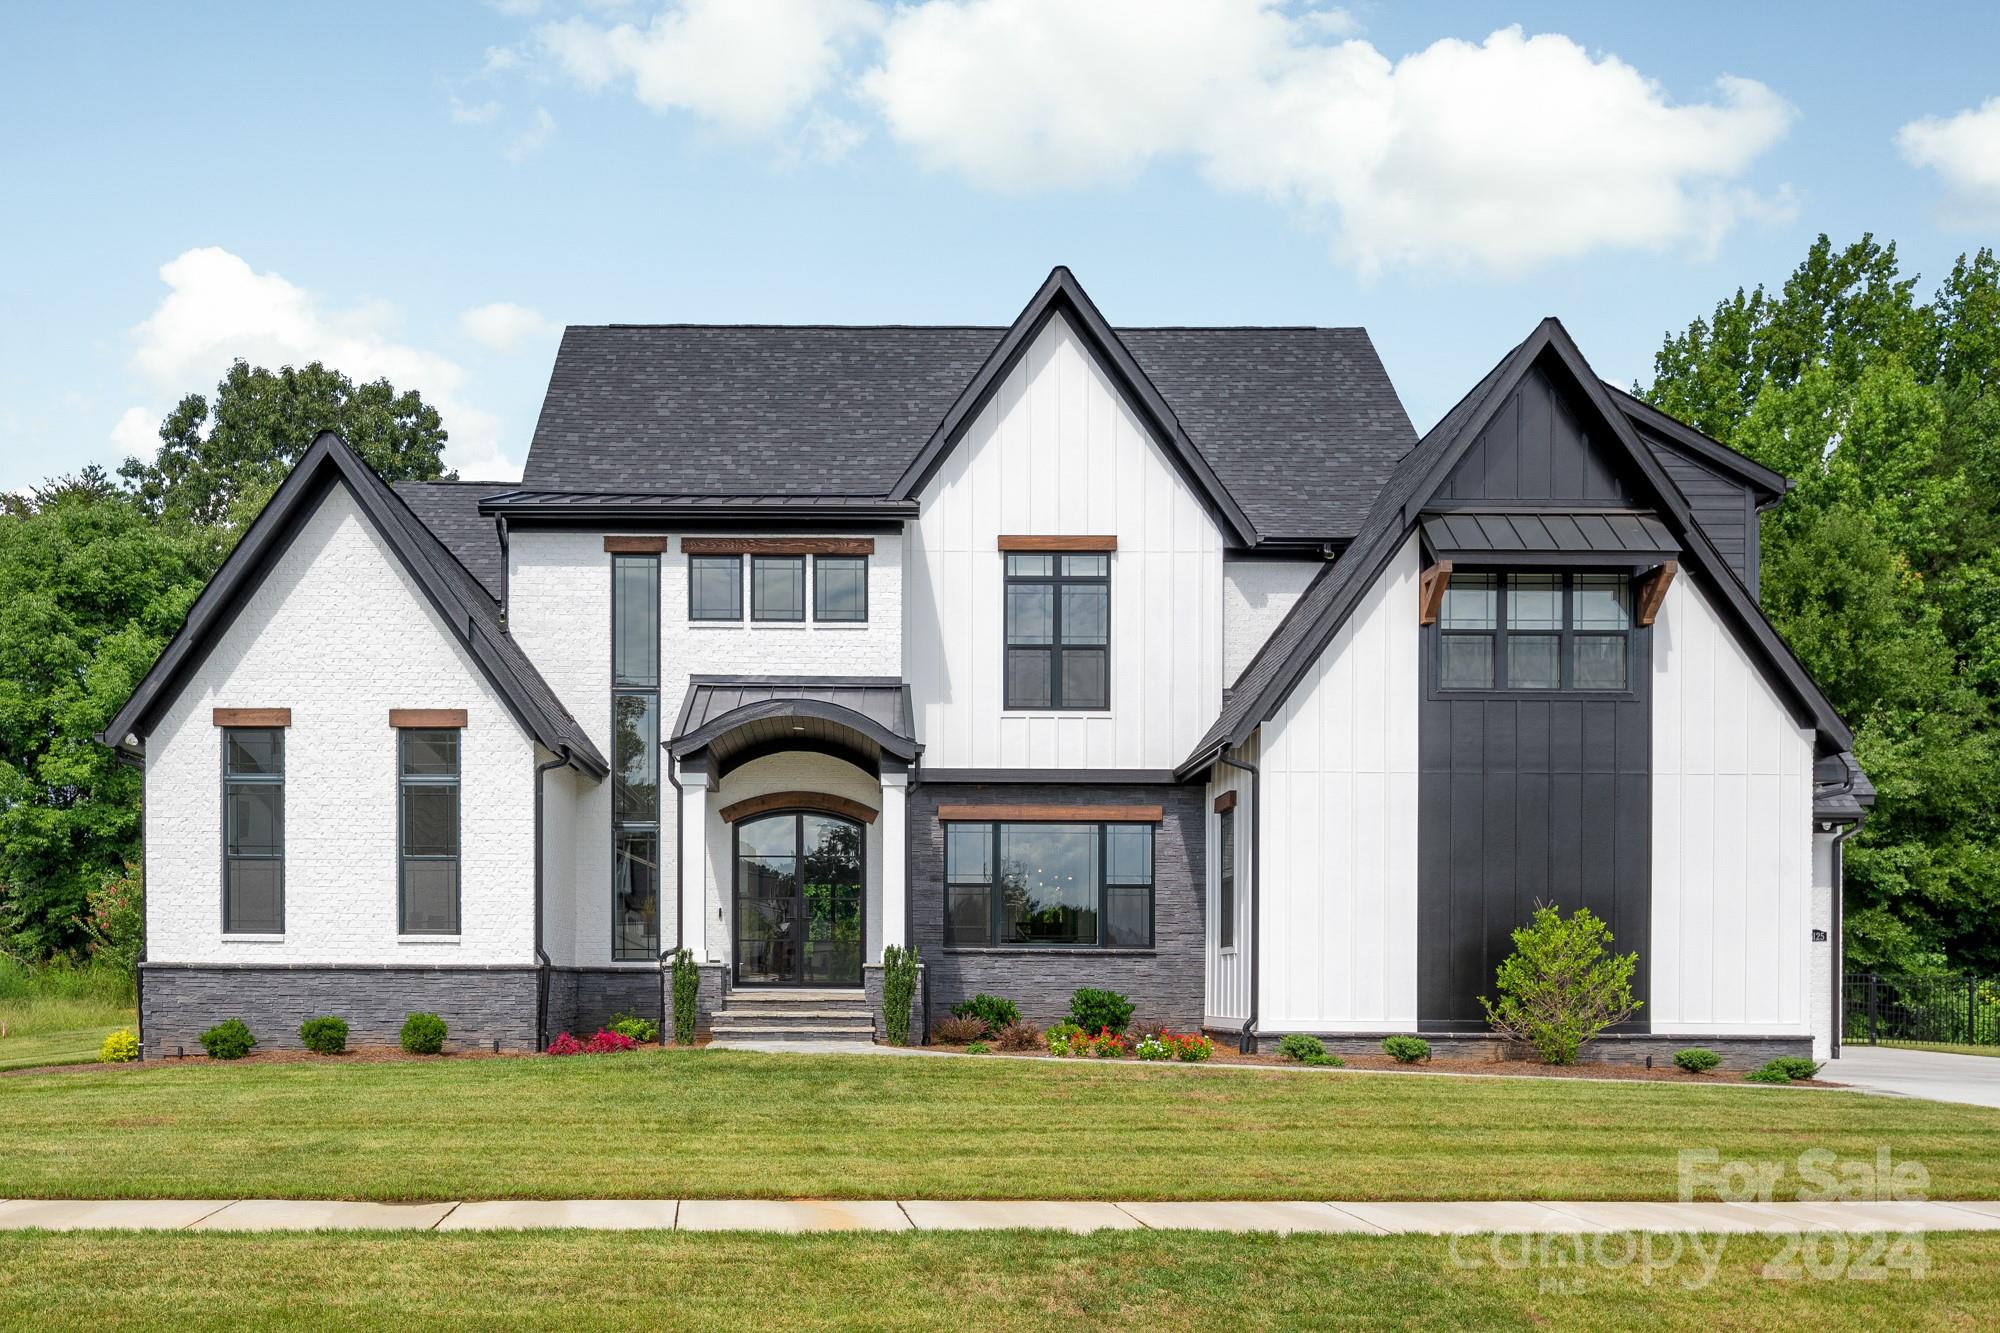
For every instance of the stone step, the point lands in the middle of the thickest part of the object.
(727, 1019)
(766, 1014)
(788, 1032)
(791, 995)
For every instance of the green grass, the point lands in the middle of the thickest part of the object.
(678, 1124)
(1949, 1048)
(994, 1280)
(55, 1013)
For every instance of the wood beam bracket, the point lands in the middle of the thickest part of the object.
(1430, 592)
(1653, 592)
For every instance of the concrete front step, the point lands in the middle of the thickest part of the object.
(775, 1031)
(766, 1013)
(790, 995)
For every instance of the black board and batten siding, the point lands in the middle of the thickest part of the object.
(1725, 509)
(1528, 796)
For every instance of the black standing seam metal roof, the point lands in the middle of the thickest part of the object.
(1300, 426)
(877, 708)
(459, 598)
(1332, 596)
(1467, 534)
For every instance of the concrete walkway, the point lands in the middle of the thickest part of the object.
(1971, 1079)
(799, 1215)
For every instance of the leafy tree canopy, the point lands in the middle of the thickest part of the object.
(218, 463)
(1882, 567)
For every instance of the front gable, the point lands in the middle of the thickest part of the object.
(1537, 447)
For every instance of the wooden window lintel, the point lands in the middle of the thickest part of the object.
(1052, 814)
(427, 717)
(1226, 801)
(797, 800)
(1071, 544)
(635, 545)
(777, 546)
(253, 717)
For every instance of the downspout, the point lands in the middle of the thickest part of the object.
(506, 584)
(910, 894)
(680, 878)
(542, 963)
(1248, 1042)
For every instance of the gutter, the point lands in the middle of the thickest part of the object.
(1248, 1040)
(542, 963)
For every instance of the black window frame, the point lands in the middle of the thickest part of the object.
(1055, 580)
(736, 562)
(996, 873)
(819, 615)
(622, 825)
(404, 781)
(1566, 636)
(1225, 879)
(756, 613)
(232, 779)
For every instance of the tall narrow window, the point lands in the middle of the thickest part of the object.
(635, 764)
(253, 817)
(1225, 877)
(1058, 631)
(429, 763)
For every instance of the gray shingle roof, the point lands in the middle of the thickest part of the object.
(1300, 424)
(450, 509)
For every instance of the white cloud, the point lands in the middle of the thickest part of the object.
(218, 308)
(748, 66)
(137, 432)
(1964, 150)
(462, 114)
(1499, 154)
(533, 139)
(503, 326)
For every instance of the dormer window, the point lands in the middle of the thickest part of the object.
(1535, 630)
(1058, 630)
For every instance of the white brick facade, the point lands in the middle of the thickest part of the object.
(338, 633)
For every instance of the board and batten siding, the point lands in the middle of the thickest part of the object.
(1725, 509)
(1732, 835)
(1058, 452)
(1339, 883)
(1226, 995)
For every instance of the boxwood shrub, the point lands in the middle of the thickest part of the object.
(1697, 1059)
(228, 1040)
(1096, 1010)
(326, 1035)
(992, 1010)
(423, 1034)
(1301, 1047)
(1405, 1049)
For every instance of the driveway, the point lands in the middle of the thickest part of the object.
(1971, 1079)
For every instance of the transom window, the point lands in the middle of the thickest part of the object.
(1060, 885)
(1058, 631)
(777, 587)
(429, 820)
(253, 823)
(1531, 630)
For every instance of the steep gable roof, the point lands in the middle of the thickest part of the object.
(1328, 601)
(458, 597)
(1296, 427)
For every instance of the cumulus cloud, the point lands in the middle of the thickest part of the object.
(748, 66)
(1964, 150)
(218, 309)
(1498, 154)
(137, 432)
(503, 326)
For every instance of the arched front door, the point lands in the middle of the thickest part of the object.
(798, 900)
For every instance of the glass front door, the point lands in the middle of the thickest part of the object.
(798, 901)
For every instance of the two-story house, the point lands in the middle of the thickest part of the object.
(1167, 660)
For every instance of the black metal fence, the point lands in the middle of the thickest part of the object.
(1958, 1011)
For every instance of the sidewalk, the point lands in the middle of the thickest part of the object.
(1426, 1218)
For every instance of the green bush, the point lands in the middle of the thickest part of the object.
(1697, 1059)
(423, 1034)
(635, 1027)
(976, 1048)
(1323, 1059)
(1299, 1046)
(228, 1040)
(991, 1010)
(1797, 1066)
(1561, 987)
(899, 989)
(1095, 1010)
(1770, 1073)
(119, 1047)
(687, 997)
(326, 1036)
(1406, 1050)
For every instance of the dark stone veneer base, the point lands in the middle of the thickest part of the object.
(1164, 982)
(1737, 1052)
(480, 1005)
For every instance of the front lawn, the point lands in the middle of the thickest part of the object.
(679, 1124)
(58, 1014)
(996, 1280)
(1948, 1048)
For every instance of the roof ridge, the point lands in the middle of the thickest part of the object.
(821, 326)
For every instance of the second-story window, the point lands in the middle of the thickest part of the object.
(1532, 630)
(1058, 631)
(840, 587)
(777, 587)
(715, 587)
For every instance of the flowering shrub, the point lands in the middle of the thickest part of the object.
(119, 1047)
(599, 1044)
(1152, 1048)
(1192, 1047)
(1069, 1039)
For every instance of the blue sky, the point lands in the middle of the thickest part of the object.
(430, 191)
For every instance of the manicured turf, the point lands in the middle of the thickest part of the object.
(997, 1280)
(731, 1124)
(75, 1046)
(1949, 1048)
